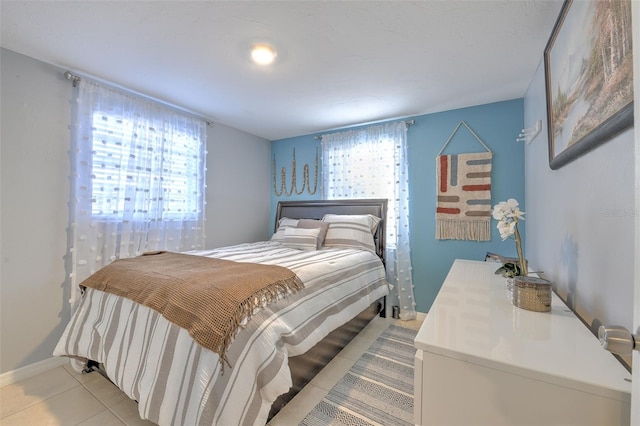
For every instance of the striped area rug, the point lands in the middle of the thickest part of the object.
(378, 390)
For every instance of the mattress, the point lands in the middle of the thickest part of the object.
(176, 381)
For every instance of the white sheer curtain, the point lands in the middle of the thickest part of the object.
(372, 163)
(137, 181)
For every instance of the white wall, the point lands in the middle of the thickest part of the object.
(239, 171)
(34, 189)
(580, 220)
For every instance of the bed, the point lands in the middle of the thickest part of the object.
(277, 348)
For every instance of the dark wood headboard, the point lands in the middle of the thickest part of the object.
(316, 209)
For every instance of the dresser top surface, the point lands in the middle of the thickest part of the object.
(473, 319)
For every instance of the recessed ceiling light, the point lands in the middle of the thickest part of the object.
(263, 54)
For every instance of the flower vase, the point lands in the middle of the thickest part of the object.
(532, 293)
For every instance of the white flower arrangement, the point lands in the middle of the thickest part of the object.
(507, 213)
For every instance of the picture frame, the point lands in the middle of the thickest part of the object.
(588, 77)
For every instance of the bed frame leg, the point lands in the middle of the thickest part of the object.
(383, 309)
(90, 367)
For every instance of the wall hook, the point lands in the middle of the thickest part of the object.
(529, 134)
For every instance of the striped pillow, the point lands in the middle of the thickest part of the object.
(351, 231)
(313, 224)
(283, 224)
(300, 238)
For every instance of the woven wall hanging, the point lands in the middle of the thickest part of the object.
(463, 207)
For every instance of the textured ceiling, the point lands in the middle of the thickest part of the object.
(339, 63)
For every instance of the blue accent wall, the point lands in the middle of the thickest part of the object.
(497, 124)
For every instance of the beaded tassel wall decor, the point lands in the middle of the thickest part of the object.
(294, 188)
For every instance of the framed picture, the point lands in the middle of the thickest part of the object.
(589, 77)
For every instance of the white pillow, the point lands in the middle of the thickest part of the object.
(301, 238)
(351, 231)
(283, 224)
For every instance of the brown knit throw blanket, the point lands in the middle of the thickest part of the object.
(208, 297)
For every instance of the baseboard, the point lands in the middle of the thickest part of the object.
(27, 371)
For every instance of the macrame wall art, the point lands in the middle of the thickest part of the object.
(463, 207)
(294, 187)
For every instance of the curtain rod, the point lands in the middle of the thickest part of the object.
(407, 122)
(75, 79)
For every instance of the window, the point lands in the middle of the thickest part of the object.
(361, 169)
(160, 165)
(138, 179)
(372, 163)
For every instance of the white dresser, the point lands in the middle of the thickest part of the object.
(482, 361)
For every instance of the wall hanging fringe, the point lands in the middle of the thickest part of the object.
(294, 188)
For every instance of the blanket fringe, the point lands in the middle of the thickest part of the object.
(452, 229)
(249, 306)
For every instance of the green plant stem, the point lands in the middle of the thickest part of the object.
(521, 260)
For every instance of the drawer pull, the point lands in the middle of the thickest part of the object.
(618, 340)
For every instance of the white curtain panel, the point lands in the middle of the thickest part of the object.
(137, 181)
(372, 163)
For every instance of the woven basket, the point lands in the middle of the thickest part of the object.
(532, 294)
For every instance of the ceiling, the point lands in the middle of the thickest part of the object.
(339, 63)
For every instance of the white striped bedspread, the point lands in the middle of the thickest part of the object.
(178, 382)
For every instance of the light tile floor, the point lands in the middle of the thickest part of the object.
(63, 397)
